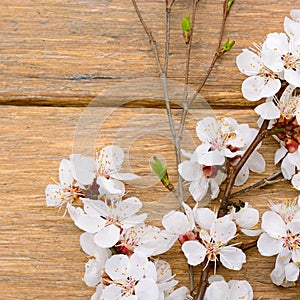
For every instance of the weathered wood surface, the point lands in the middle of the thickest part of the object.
(39, 251)
(65, 53)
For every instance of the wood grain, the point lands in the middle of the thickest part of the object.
(65, 53)
(39, 251)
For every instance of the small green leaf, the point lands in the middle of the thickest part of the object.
(186, 24)
(226, 47)
(158, 168)
(229, 4)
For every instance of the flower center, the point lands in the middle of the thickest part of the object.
(267, 74)
(289, 61)
(292, 241)
(128, 286)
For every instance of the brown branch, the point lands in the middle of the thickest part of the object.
(264, 182)
(203, 283)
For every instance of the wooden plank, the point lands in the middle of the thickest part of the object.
(66, 53)
(39, 251)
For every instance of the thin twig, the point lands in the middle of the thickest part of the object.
(150, 36)
(191, 277)
(168, 31)
(217, 55)
(203, 283)
(264, 182)
(163, 77)
(188, 55)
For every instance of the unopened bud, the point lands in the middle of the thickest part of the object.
(186, 28)
(291, 145)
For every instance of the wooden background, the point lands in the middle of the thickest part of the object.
(57, 57)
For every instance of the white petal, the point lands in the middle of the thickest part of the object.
(90, 248)
(272, 60)
(247, 217)
(147, 289)
(296, 181)
(65, 173)
(273, 225)
(93, 272)
(277, 42)
(176, 222)
(95, 207)
(218, 290)
(116, 267)
(204, 217)
(291, 28)
(206, 129)
(84, 168)
(53, 195)
(291, 272)
(268, 110)
(278, 275)
(189, 171)
(223, 230)
(179, 294)
(252, 88)
(232, 258)
(214, 188)
(108, 236)
(292, 76)
(279, 155)
(110, 158)
(111, 292)
(125, 176)
(240, 289)
(251, 232)
(97, 294)
(288, 169)
(134, 220)
(137, 265)
(268, 246)
(296, 256)
(194, 252)
(130, 206)
(242, 176)
(198, 189)
(110, 185)
(249, 63)
(271, 87)
(212, 158)
(256, 162)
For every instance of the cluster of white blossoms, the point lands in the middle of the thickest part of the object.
(281, 237)
(122, 250)
(222, 141)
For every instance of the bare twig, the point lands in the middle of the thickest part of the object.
(168, 31)
(188, 55)
(150, 36)
(191, 277)
(264, 182)
(203, 283)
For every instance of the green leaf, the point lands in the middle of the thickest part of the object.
(226, 47)
(158, 168)
(229, 4)
(186, 24)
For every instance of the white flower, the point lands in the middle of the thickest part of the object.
(179, 294)
(202, 179)
(282, 54)
(95, 266)
(105, 169)
(222, 139)
(148, 240)
(67, 190)
(233, 290)
(262, 82)
(287, 107)
(105, 220)
(279, 237)
(128, 279)
(213, 244)
(288, 210)
(285, 273)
